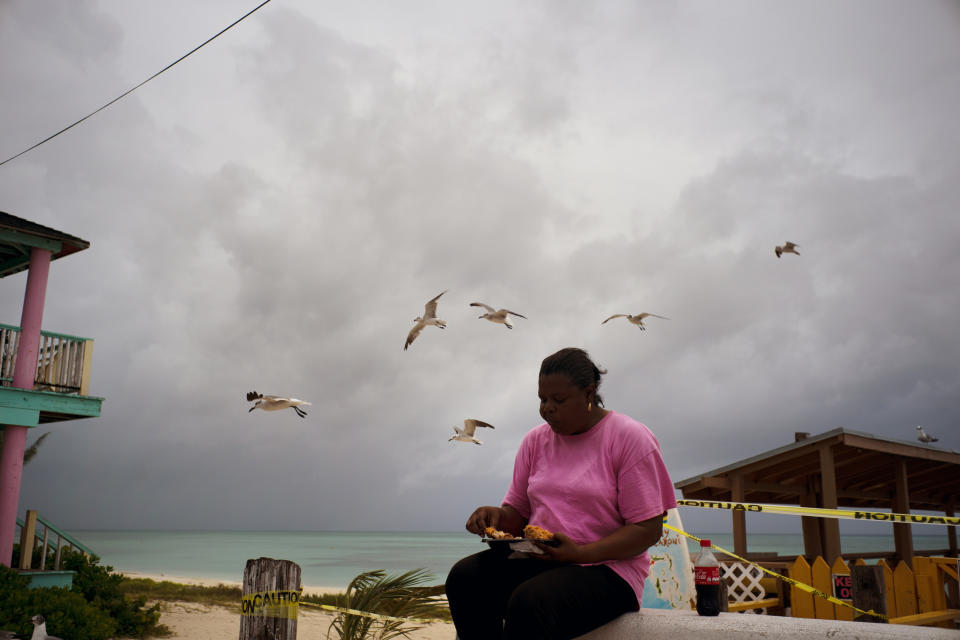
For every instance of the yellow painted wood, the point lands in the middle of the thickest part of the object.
(888, 587)
(927, 618)
(841, 612)
(801, 601)
(947, 565)
(28, 534)
(820, 575)
(925, 595)
(905, 585)
(87, 367)
(753, 604)
(934, 596)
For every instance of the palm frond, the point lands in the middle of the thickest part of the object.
(374, 591)
(31, 451)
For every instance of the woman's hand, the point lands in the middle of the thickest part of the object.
(626, 542)
(505, 518)
(566, 551)
(482, 518)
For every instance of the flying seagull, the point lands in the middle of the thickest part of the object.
(923, 436)
(429, 318)
(789, 247)
(637, 319)
(469, 428)
(275, 403)
(497, 315)
(40, 629)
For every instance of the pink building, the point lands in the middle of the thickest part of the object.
(44, 376)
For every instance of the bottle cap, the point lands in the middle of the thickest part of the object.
(704, 542)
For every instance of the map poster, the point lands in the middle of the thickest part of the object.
(670, 583)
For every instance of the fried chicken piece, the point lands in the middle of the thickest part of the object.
(534, 532)
(496, 534)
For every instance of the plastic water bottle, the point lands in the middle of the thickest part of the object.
(706, 577)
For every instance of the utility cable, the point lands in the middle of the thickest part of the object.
(128, 92)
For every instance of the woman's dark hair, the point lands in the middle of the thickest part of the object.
(575, 364)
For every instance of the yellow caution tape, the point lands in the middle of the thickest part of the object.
(270, 604)
(843, 514)
(780, 576)
(367, 614)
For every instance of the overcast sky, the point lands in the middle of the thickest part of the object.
(274, 211)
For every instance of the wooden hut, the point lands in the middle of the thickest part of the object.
(839, 468)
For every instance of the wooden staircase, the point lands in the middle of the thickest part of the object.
(49, 573)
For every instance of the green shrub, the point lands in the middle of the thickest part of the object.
(67, 613)
(94, 608)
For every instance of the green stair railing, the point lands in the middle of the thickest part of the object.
(29, 542)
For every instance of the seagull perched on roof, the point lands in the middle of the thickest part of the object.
(497, 315)
(40, 629)
(789, 247)
(275, 403)
(469, 428)
(429, 318)
(923, 436)
(637, 319)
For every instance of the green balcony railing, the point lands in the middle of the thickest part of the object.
(63, 361)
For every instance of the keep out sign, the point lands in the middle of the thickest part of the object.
(842, 586)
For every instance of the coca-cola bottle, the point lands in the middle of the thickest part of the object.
(706, 576)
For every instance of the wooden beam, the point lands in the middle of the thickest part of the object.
(903, 450)
(828, 500)
(86, 367)
(902, 532)
(739, 517)
(810, 526)
(28, 534)
(951, 531)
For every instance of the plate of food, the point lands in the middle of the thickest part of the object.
(531, 535)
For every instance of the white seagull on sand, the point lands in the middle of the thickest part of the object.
(469, 428)
(497, 315)
(276, 403)
(637, 319)
(789, 247)
(429, 318)
(923, 436)
(40, 629)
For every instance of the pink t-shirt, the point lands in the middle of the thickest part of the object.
(591, 484)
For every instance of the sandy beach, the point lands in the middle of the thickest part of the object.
(201, 622)
(194, 621)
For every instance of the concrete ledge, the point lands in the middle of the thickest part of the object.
(656, 624)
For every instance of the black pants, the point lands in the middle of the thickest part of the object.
(493, 597)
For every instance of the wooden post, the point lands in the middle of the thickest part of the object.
(828, 488)
(86, 368)
(739, 517)
(953, 586)
(869, 592)
(810, 525)
(902, 531)
(270, 599)
(28, 534)
(950, 511)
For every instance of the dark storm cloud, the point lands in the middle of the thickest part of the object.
(274, 212)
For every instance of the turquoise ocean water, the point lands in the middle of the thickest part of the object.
(332, 559)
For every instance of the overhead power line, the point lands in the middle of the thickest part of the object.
(129, 91)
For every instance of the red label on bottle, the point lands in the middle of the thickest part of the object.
(706, 575)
